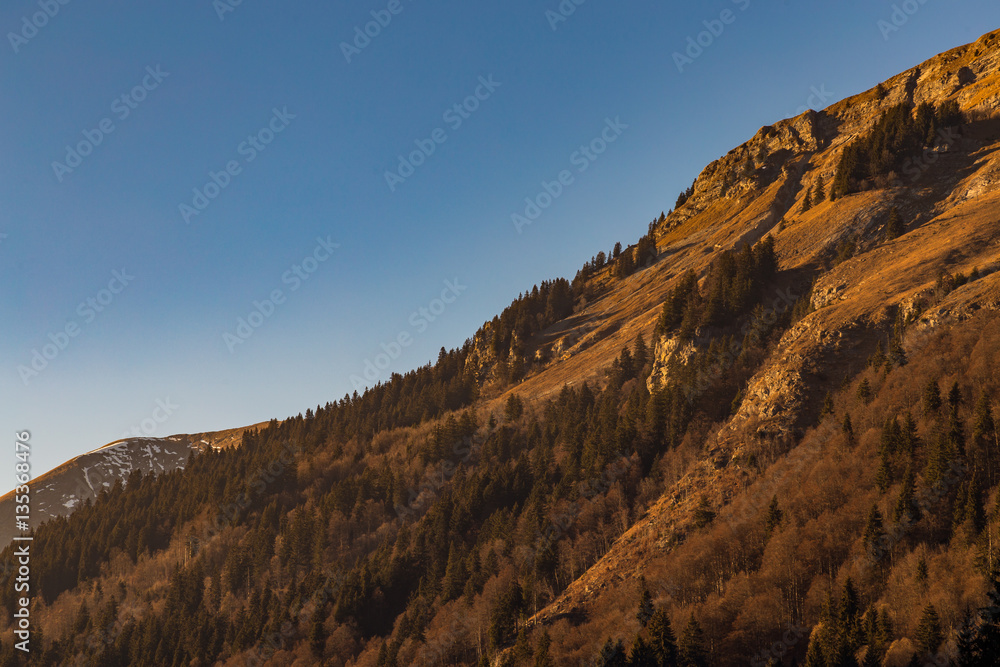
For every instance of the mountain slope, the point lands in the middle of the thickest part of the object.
(65, 488)
(781, 427)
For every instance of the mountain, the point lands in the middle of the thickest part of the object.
(764, 432)
(63, 489)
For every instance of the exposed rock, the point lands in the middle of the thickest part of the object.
(671, 352)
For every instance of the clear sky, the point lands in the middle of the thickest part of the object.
(115, 112)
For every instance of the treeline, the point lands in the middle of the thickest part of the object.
(900, 134)
(734, 285)
(532, 312)
(620, 262)
(531, 498)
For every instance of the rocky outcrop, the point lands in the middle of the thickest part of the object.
(670, 353)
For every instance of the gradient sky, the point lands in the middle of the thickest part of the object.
(161, 338)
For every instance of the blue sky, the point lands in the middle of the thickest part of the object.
(207, 89)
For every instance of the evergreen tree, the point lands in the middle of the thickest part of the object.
(773, 518)
(984, 427)
(848, 429)
(661, 638)
(904, 506)
(807, 201)
(814, 654)
(874, 532)
(820, 190)
(703, 514)
(974, 516)
(954, 397)
(645, 612)
(612, 655)
(542, 657)
(932, 397)
(691, 651)
(849, 610)
(827, 406)
(929, 635)
(894, 227)
(865, 392)
(642, 654)
(873, 657)
(883, 476)
(317, 635)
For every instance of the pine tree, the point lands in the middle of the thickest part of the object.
(904, 502)
(849, 609)
(612, 655)
(872, 657)
(954, 397)
(640, 353)
(883, 476)
(807, 201)
(827, 406)
(820, 190)
(645, 612)
(454, 575)
(661, 637)
(848, 429)
(542, 657)
(814, 654)
(703, 514)
(894, 228)
(874, 532)
(932, 397)
(974, 517)
(910, 439)
(929, 635)
(642, 654)
(865, 392)
(317, 635)
(968, 651)
(774, 516)
(691, 650)
(984, 428)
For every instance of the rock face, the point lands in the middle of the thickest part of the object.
(670, 353)
(952, 226)
(966, 74)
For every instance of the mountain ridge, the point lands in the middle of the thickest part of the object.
(574, 499)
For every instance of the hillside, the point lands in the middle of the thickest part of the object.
(769, 425)
(66, 487)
